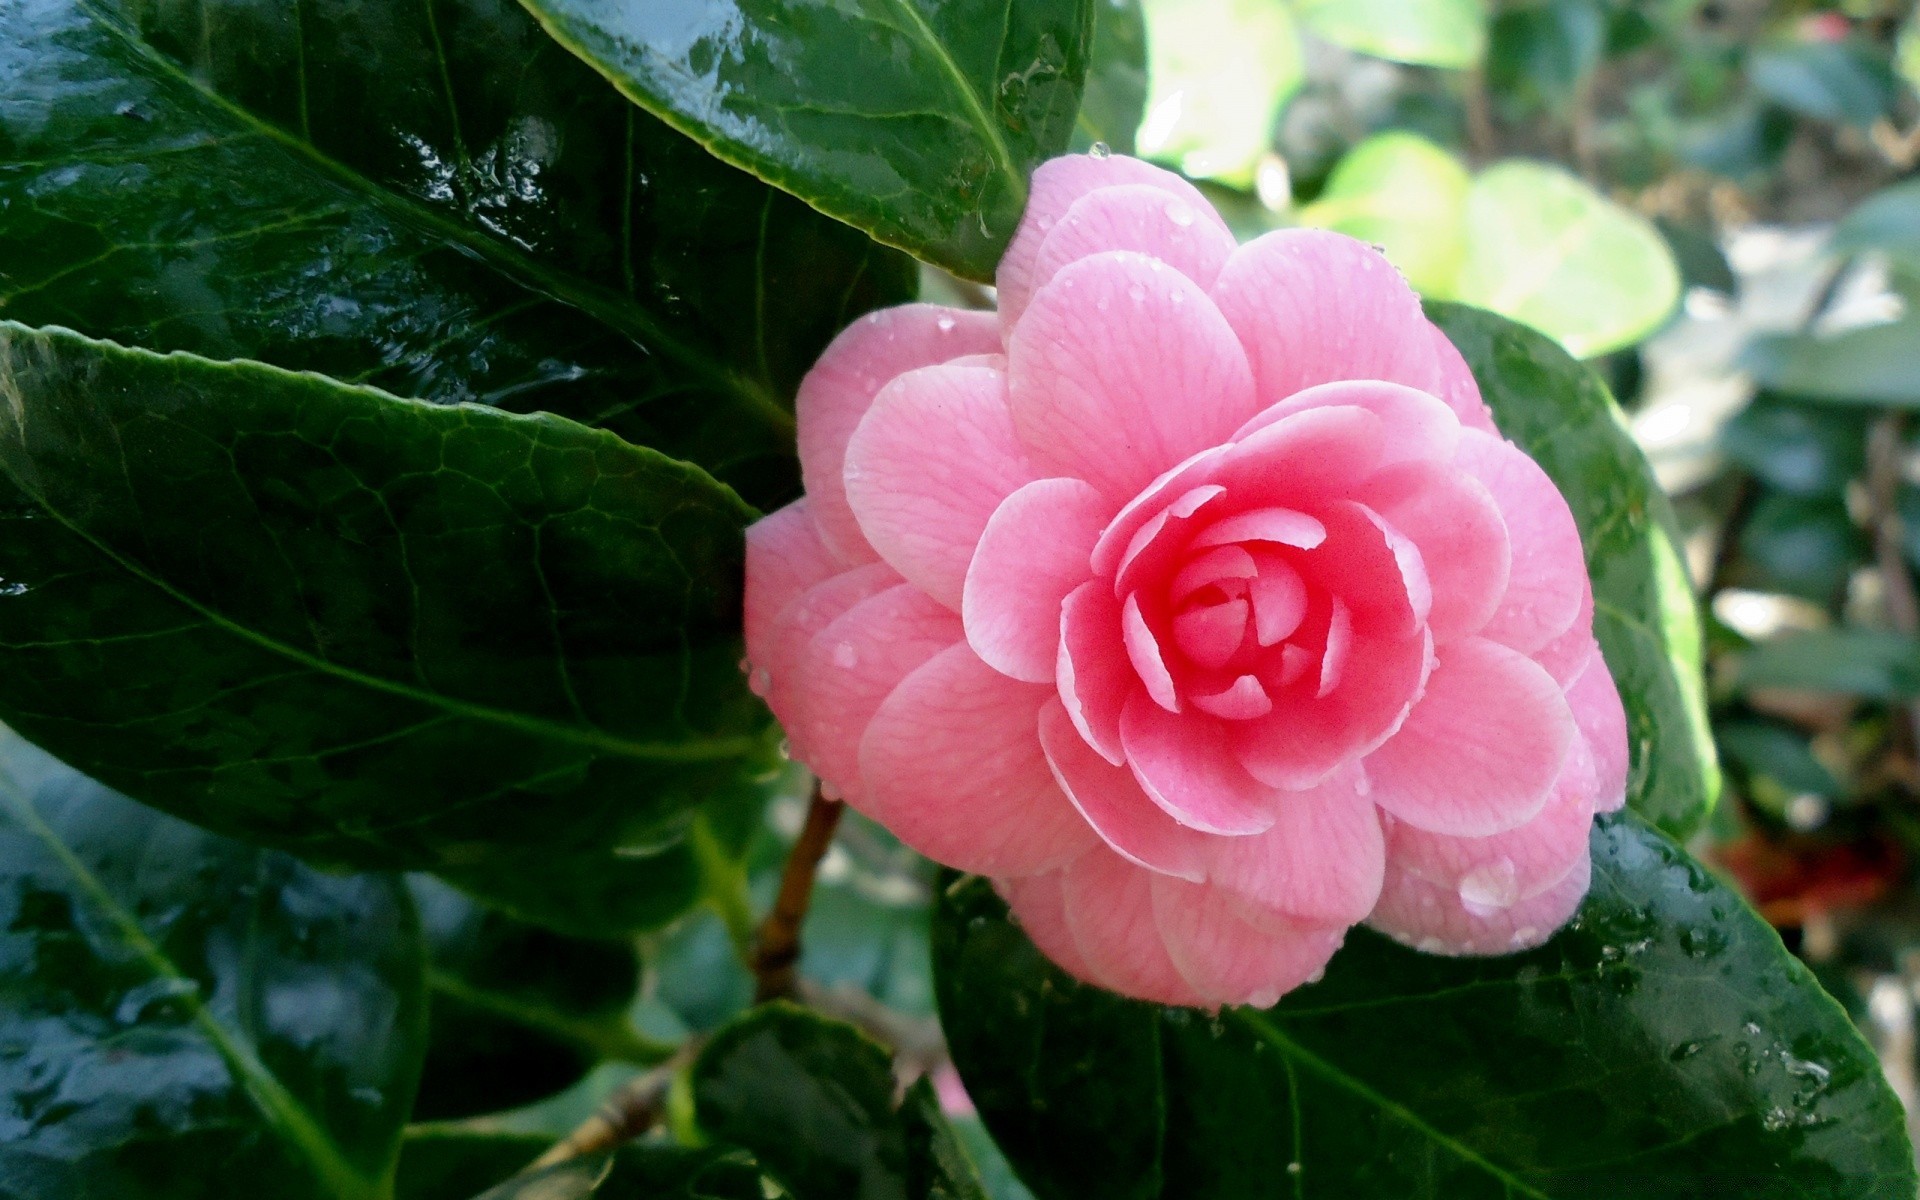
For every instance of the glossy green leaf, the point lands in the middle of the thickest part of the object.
(1218, 72)
(1805, 545)
(1663, 1045)
(1559, 412)
(186, 1015)
(431, 198)
(918, 121)
(519, 1012)
(1433, 33)
(1877, 364)
(812, 1099)
(1800, 448)
(1864, 662)
(1887, 221)
(444, 1163)
(1116, 94)
(1546, 249)
(1405, 195)
(1829, 81)
(374, 631)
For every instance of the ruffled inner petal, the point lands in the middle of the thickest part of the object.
(1110, 799)
(1185, 766)
(1033, 553)
(1094, 674)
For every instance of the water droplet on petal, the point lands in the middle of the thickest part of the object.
(1137, 294)
(1100, 150)
(1490, 887)
(1179, 212)
(1430, 945)
(845, 656)
(945, 324)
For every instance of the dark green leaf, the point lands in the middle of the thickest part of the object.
(812, 1099)
(1829, 81)
(1799, 448)
(519, 1012)
(1779, 753)
(1644, 615)
(437, 1163)
(187, 1016)
(1697, 252)
(1663, 1045)
(374, 631)
(1888, 221)
(431, 198)
(1878, 364)
(1116, 94)
(1805, 545)
(1863, 662)
(918, 121)
(1542, 51)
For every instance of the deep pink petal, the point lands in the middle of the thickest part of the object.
(1457, 386)
(854, 663)
(929, 463)
(1109, 908)
(1034, 551)
(1307, 738)
(1039, 905)
(1215, 566)
(1093, 671)
(1321, 453)
(1279, 599)
(953, 767)
(1373, 568)
(1161, 541)
(1209, 635)
(1057, 184)
(1434, 919)
(1603, 724)
(1415, 426)
(780, 668)
(1313, 306)
(1243, 701)
(1339, 647)
(785, 557)
(837, 392)
(1322, 861)
(1547, 583)
(1454, 522)
(1097, 359)
(1182, 487)
(1281, 526)
(1480, 751)
(1111, 801)
(1139, 217)
(1184, 764)
(1230, 960)
(1143, 651)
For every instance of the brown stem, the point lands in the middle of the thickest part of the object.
(1482, 142)
(777, 949)
(632, 1109)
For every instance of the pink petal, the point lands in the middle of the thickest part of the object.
(1462, 538)
(929, 463)
(1373, 568)
(1185, 766)
(1457, 386)
(1158, 543)
(1566, 655)
(1333, 659)
(1435, 920)
(1215, 566)
(1112, 802)
(1548, 579)
(1211, 634)
(1057, 184)
(1143, 651)
(780, 667)
(1040, 908)
(1595, 702)
(1307, 738)
(1415, 425)
(1318, 454)
(785, 557)
(953, 767)
(1245, 700)
(1279, 599)
(1181, 488)
(1313, 306)
(1322, 861)
(1109, 908)
(1282, 526)
(1093, 670)
(1033, 553)
(854, 663)
(1098, 355)
(1140, 217)
(835, 395)
(1230, 960)
(1479, 753)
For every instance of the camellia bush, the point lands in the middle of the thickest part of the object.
(486, 488)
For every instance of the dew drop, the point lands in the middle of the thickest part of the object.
(1179, 212)
(1101, 304)
(945, 324)
(1524, 936)
(1490, 887)
(1137, 294)
(760, 681)
(845, 656)
(1293, 1168)
(1363, 786)
(1100, 150)
(1430, 945)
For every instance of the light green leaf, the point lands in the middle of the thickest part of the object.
(1877, 364)
(1116, 95)
(1875, 663)
(1547, 250)
(1405, 195)
(1433, 33)
(918, 121)
(1218, 73)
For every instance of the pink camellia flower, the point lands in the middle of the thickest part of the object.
(1195, 599)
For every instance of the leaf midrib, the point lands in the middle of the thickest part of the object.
(613, 310)
(282, 1110)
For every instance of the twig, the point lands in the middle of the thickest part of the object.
(778, 946)
(1482, 142)
(632, 1109)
